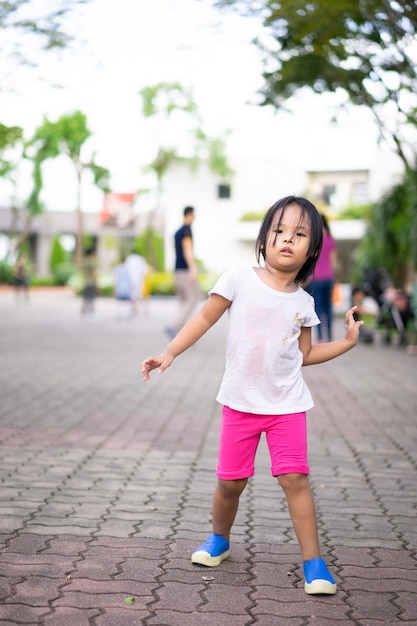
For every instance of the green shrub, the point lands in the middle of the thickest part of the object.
(355, 212)
(6, 273)
(58, 255)
(158, 283)
(76, 282)
(161, 284)
(105, 282)
(253, 216)
(63, 273)
(207, 282)
(42, 281)
(150, 245)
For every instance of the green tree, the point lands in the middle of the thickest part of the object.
(363, 48)
(58, 254)
(11, 156)
(173, 104)
(10, 138)
(390, 241)
(67, 136)
(34, 21)
(60, 264)
(150, 245)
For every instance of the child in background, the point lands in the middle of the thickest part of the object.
(263, 391)
(137, 269)
(21, 276)
(89, 271)
(122, 290)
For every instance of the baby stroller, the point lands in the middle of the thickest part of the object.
(394, 305)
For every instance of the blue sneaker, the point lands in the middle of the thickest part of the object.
(318, 579)
(212, 552)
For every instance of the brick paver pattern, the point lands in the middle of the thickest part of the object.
(106, 481)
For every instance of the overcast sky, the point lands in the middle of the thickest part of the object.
(129, 44)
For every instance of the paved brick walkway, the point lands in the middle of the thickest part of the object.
(106, 481)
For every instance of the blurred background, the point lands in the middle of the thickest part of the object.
(113, 118)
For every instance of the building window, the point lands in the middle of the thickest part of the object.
(328, 193)
(223, 191)
(360, 193)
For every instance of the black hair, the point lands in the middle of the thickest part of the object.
(188, 210)
(316, 232)
(325, 224)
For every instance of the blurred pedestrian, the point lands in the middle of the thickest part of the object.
(89, 272)
(322, 283)
(186, 283)
(122, 290)
(136, 268)
(21, 276)
(270, 318)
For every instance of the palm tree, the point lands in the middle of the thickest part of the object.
(66, 136)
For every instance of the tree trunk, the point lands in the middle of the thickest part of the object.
(79, 220)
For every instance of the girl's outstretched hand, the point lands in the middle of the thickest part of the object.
(153, 362)
(352, 326)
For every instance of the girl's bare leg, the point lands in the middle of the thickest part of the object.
(303, 513)
(225, 505)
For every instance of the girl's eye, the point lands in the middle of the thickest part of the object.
(301, 234)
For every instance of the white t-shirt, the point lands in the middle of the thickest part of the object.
(263, 360)
(136, 267)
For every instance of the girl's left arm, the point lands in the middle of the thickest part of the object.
(321, 352)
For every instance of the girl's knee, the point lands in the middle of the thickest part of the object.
(231, 488)
(293, 482)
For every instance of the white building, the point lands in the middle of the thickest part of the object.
(222, 239)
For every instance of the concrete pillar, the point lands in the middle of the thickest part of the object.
(42, 254)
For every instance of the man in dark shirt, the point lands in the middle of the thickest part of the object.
(186, 283)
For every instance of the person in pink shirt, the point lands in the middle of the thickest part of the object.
(322, 282)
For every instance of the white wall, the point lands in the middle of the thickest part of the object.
(220, 238)
(387, 170)
(258, 183)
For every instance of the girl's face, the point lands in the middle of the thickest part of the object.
(288, 240)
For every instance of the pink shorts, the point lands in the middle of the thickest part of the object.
(240, 433)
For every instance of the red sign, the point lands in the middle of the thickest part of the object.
(118, 210)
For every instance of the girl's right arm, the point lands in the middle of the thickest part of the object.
(195, 328)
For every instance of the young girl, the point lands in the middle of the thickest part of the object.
(263, 391)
